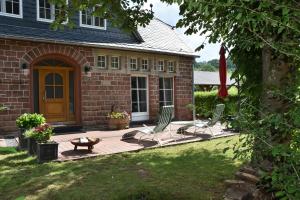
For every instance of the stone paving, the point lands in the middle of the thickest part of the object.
(113, 142)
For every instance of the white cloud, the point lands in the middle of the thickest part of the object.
(170, 15)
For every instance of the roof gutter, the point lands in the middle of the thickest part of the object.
(100, 45)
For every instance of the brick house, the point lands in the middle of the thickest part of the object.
(47, 71)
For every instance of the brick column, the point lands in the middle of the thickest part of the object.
(153, 96)
(183, 89)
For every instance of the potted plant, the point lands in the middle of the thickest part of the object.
(25, 122)
(118, 120)
(45, 149)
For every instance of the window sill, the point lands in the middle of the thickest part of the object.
(11, 15)
(92, 27)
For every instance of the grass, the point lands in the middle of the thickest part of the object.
(190, 171)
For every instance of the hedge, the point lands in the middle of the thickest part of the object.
(205, 103)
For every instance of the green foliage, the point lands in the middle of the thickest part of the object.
(271, 135)
(30, 120)
(2, 108)
(41, 133)
(205, 67)
(124, 14)
(245, 24)
(213, 65)
(205, 103)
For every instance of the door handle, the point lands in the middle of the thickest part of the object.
(45, 95)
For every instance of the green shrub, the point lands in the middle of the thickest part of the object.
(28, 120)
(205, 103)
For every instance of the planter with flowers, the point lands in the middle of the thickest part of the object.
(25, 122)
(39, 141)
(118, 120)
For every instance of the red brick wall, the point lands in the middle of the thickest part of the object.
(153, 96)
(15, 88)
(183, 89)
(98, 92)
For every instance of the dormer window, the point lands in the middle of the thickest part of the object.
(87, 19)
(11, 8)
(46, 12)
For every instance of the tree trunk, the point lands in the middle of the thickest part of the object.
(275, 70)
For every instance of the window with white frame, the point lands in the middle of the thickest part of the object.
(161, 65)
(87, 19)
(171, 66)
(115, 62)
(133, 64)
(11, 8)
(48, 12)
(165, 91)
(144, 64)
(101, 62)
(139, 94)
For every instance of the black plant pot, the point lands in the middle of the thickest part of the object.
(47, 151)
(32, 146)
(23, 143)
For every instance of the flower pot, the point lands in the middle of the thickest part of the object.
(23, 144)
(47, 151)
(118, 124)
(32, 146)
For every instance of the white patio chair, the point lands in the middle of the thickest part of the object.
(217, 115)
(164, 120)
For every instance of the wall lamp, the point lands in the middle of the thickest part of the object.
(88, 71)
(25, 69)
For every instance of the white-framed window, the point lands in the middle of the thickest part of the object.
(115, 62)
(101, 62)
(161, 66)
(89, 21)
(145, 64)
(47, 12)
(165, 91)
(11, 8)
(139, 98)
(133, 64)
(171, 66)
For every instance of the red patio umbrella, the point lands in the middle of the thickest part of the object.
(223, 74)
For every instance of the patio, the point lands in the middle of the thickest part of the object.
(112, 142)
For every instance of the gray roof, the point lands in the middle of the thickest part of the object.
(210, 78)
(156, 37)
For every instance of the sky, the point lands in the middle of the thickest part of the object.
(170, 15)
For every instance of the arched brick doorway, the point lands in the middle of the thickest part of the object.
(55, 88)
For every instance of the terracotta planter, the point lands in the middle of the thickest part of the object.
(118, 124)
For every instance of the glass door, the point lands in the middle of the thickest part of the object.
(139, 98)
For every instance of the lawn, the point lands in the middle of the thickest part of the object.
(190, 171)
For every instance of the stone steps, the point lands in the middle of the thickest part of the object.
(243, 187)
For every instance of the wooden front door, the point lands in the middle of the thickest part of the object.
(53, 93)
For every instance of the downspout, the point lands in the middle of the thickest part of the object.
(193, 92)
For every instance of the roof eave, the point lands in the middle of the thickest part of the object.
(101, 45)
